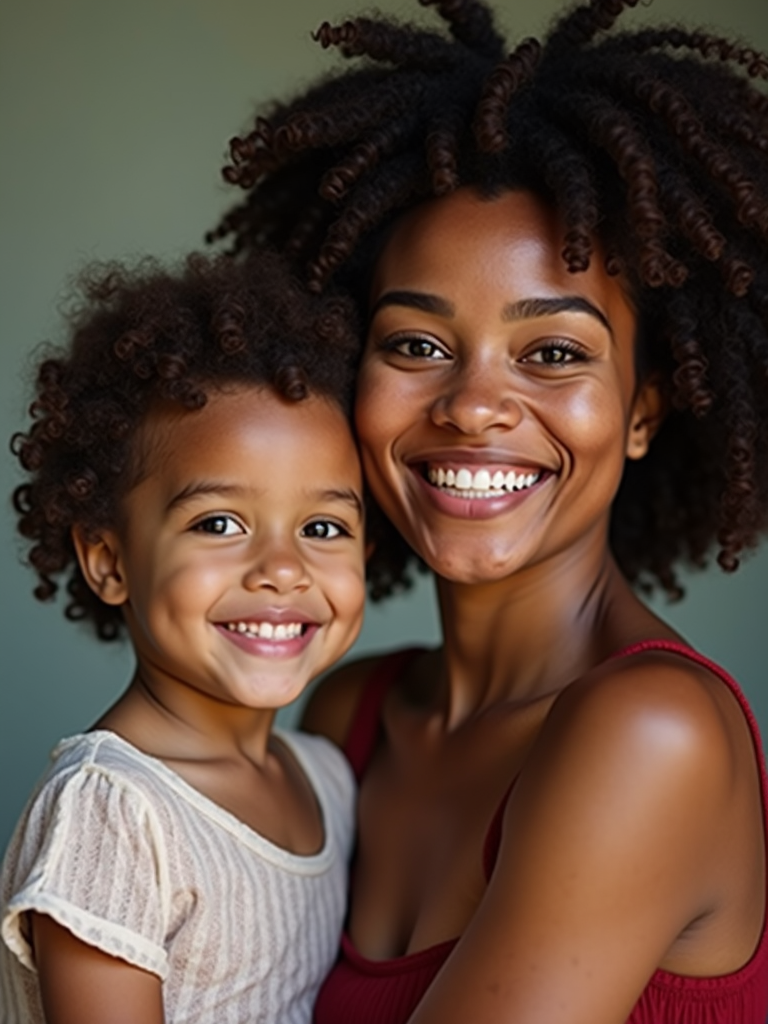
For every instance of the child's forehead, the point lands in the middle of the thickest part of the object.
(228, 407)
(244, 425)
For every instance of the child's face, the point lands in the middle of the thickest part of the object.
(241, 548)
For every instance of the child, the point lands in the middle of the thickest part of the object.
(192, 475)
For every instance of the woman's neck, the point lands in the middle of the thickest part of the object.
(527, 636)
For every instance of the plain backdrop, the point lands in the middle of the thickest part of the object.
(114, 118)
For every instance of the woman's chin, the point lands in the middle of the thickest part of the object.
(466, 563)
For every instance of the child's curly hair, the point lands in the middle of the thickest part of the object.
(142, 334)
(654, 141)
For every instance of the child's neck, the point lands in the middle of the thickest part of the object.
(226, 752)
(168, 719)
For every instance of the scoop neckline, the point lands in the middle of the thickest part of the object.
(304, 863)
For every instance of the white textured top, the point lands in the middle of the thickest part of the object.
(115, 846)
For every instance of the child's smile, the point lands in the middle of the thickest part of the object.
(240, 553)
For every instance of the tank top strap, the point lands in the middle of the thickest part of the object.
(364, 730)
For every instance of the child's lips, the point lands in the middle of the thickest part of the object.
(265, 638)
(267, 629)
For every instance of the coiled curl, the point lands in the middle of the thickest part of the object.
(141, 335)
(651, 143)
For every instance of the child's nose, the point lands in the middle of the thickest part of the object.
(277, 567)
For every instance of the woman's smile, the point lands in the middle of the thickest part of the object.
(496, 384)
(475, 485)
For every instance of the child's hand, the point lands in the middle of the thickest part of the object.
(81, 985)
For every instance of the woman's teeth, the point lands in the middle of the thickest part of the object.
(482, 483)
(267, 630)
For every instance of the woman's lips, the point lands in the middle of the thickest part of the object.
(485, 481)
(477, 491)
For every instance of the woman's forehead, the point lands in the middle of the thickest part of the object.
(510, 245)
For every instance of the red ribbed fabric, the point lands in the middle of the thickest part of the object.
(362, 991)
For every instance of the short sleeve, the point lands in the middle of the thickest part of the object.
(91, 856)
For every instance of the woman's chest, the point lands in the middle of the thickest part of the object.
(426, 814)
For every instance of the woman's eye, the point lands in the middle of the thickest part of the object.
(220, 526)
(323, 529)
(417, 348)
(556, 353)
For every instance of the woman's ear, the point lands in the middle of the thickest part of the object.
(648, 411)
(100, 562)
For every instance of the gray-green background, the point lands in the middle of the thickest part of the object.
(113, 120)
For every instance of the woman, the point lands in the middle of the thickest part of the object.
(562, 258)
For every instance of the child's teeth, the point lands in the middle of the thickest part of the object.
(267, 630)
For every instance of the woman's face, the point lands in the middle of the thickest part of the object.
(497, 398)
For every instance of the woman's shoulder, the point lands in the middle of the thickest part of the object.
(333, 702)
(331, 708)
(655, 731)
(653, 688)
(644, 778)
(657, 701)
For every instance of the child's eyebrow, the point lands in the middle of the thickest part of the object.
(345, 494)
(200, 488)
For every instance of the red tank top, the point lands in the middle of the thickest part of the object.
(362, 991)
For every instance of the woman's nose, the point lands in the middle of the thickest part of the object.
(277, 567)
(478, 400)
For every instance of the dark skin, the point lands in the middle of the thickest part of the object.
(632, 838)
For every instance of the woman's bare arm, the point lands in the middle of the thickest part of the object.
(81, 985)
(610, 849)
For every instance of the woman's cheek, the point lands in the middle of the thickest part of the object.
(591, 421)
(367, 413)
(376, 420)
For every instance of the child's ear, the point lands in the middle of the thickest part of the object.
(100, 563)
(647, 415)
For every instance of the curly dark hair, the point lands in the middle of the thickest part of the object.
(654, 141)
(141, 334)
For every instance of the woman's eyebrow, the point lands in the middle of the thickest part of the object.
(416, 300)
(528, 308)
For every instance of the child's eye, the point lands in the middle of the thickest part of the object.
(323, 529)
(219, 525)
(416, 346)
(556, 353)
